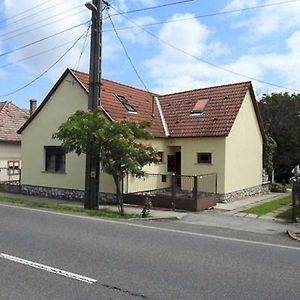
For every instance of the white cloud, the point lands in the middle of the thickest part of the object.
(265, 21)
(172, 70)
(61, 15)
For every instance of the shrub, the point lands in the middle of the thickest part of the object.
(278, 188)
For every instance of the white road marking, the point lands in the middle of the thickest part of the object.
(195, 234)
(48, 268)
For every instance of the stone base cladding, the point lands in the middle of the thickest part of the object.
(245, 193)
(64, 194)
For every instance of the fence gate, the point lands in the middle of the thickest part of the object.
(10, 180)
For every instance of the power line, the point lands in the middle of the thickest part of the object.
(205, 61)
(38, 27)
(202, 16)
(47, 70)
(39, 13)
(152, 7)
(23, 12)
(43, 39)
(76, 66)
(127, 54)
(38, 22)
(36, 54)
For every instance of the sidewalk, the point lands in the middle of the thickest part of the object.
(229, 215)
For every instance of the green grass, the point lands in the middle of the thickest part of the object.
(288, 214)
(68, 208)
(270, 206)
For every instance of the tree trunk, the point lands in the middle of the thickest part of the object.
(119, 194)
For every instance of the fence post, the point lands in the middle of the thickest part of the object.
(173, 191)
(195, 192)
(294, 201)
(20, 185)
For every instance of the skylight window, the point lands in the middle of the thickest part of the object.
(126, 104)
(199, 107)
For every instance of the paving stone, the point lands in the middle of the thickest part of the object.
(251, 216)
(240, 214)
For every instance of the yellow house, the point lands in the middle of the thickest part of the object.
(209, 130)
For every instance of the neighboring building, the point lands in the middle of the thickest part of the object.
(208, 130)
(11, 119)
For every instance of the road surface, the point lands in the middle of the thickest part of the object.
(49, 255)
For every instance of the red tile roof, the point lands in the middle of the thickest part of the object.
(218, 116)
(11, 119)
(216, 120)
(142, 101)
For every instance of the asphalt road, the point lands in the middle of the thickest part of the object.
(130, 260)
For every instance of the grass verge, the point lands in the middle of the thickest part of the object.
(68, 208)
(268, 207)
(287, 215)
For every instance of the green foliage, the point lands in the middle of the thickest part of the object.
(269, 206)
(117, 143)
(68, 208)
(277, 188)
(281, 116)
(269, 148)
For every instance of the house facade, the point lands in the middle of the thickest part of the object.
(11, 118)
(211, 130)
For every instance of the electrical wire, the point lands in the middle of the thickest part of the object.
(76, 66)
(37, 54)
(23, 12)
(127, 55)
(202, 16)
(47, 70)
(40, 22)
(39, 13)
(43, 39)
(203, 60)
(38, 27)
(152, 7)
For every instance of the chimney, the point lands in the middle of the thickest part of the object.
(33, 105)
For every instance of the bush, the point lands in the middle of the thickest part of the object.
(278, 188)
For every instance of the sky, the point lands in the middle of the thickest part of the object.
(186, 45)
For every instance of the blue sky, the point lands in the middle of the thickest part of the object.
(186, 50)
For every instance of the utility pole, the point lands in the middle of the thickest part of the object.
(92, 169)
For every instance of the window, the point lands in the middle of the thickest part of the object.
(125, 103)
(199, 107)
(204, 158)
(163, 178)
(55, 159)
(160, 156)
(13, 167)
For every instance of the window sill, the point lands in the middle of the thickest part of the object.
(54, 172)
(203, 163)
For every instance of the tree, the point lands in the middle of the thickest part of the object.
(269, 149)
(281, 116)
(117, 143)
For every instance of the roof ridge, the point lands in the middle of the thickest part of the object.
(113, 81)
(208, 88)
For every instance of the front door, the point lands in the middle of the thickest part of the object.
(178, 168)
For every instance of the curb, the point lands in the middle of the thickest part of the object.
(155, 219)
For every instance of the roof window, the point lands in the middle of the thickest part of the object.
(199, 107)
(126, 104)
